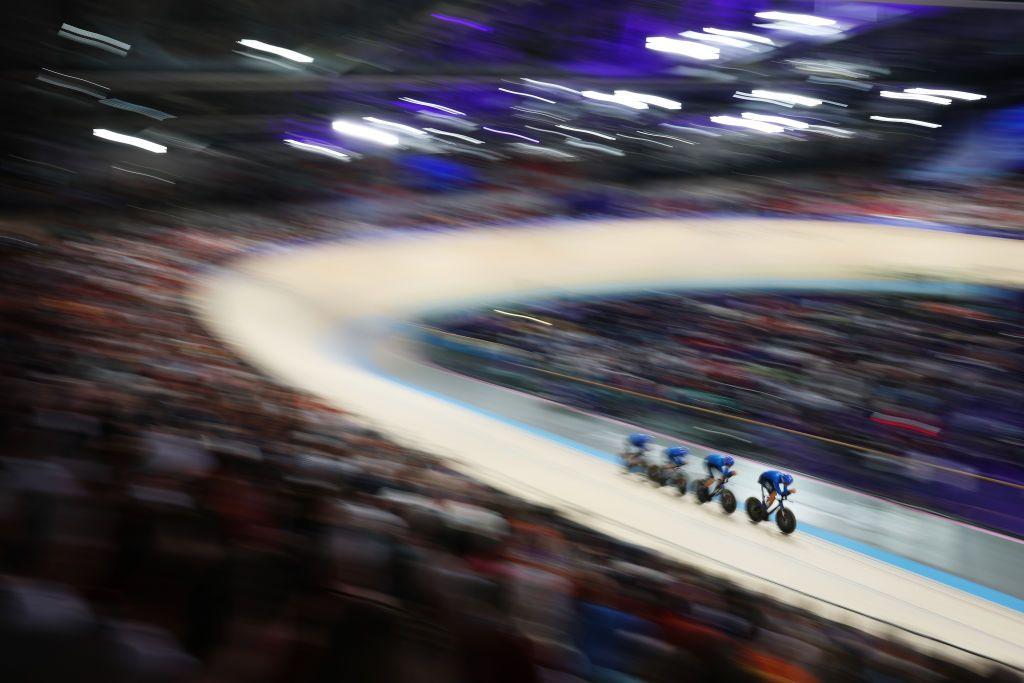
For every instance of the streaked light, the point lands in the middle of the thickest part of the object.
(526, 94)
(712, 38)
(439, 107)
(275, 50)
(543, 151)
(777, 120)
(913, 122)
(98, 85)
(538, 112)
(686, 48)
(461, 22)
(436, 131)
(802, 30)
(752, 37)
(555, 132)
(609, 97)
(596, 147)
(545, 84)
(397, 126)
(148, 175)
(129, 140)
(790, 98)
(587, 131)
(831, 131)
(520, 315)
(137, 108)
(746, 123)
(319, 149)
(915, 96)
(515, 135)
(99, 40)
(654, 100)
(462, 124)
(670, 137)
(805, 19)
(650, 142)
(368, 133)
(955, 94)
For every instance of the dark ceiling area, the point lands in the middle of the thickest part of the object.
(280, 99)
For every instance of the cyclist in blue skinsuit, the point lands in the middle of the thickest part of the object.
(775, 482)
(637, 446)
(676, 455)
(722, 464)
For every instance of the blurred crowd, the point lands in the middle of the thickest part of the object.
(168, 513)
(929, 380)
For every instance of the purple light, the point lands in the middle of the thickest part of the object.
(462, 22)
(515, 135)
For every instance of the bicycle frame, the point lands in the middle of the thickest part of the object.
(779, 504)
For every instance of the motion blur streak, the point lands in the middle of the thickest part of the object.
(274, 49)
(129, 140)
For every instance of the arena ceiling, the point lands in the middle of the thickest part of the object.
(257, 94)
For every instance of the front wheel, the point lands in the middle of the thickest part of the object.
(655, 474)
(755, 510)
(786, 521)
(728, 501)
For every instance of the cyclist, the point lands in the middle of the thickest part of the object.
(774, 482)
(676, 455)
(722, 464)
(635, 452)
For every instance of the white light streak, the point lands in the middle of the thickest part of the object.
(955, 94)
(515, 135)
(545, 84)
(368, 133)
(777, 120)
(915, 96)
(129, 140)
(608, 97)
(587, 131)
(520, 315)
(275, 50)
(752, 37)
(526, 94)
(712, 38)
(805, 19)
(319, 149)
(736, 121)
(436, 131)
(594, 146)
(543, 151)
(650, 142)
(154, 177)
(439, 107)
(541, 113)
(802, 30)
(790, 98)
(654, 100)
(555, 132)
(686, 48)
(396, 126)
(913, 122)
(669, 137)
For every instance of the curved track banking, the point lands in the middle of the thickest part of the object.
(309, 316)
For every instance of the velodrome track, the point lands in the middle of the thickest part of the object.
(312, 317)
